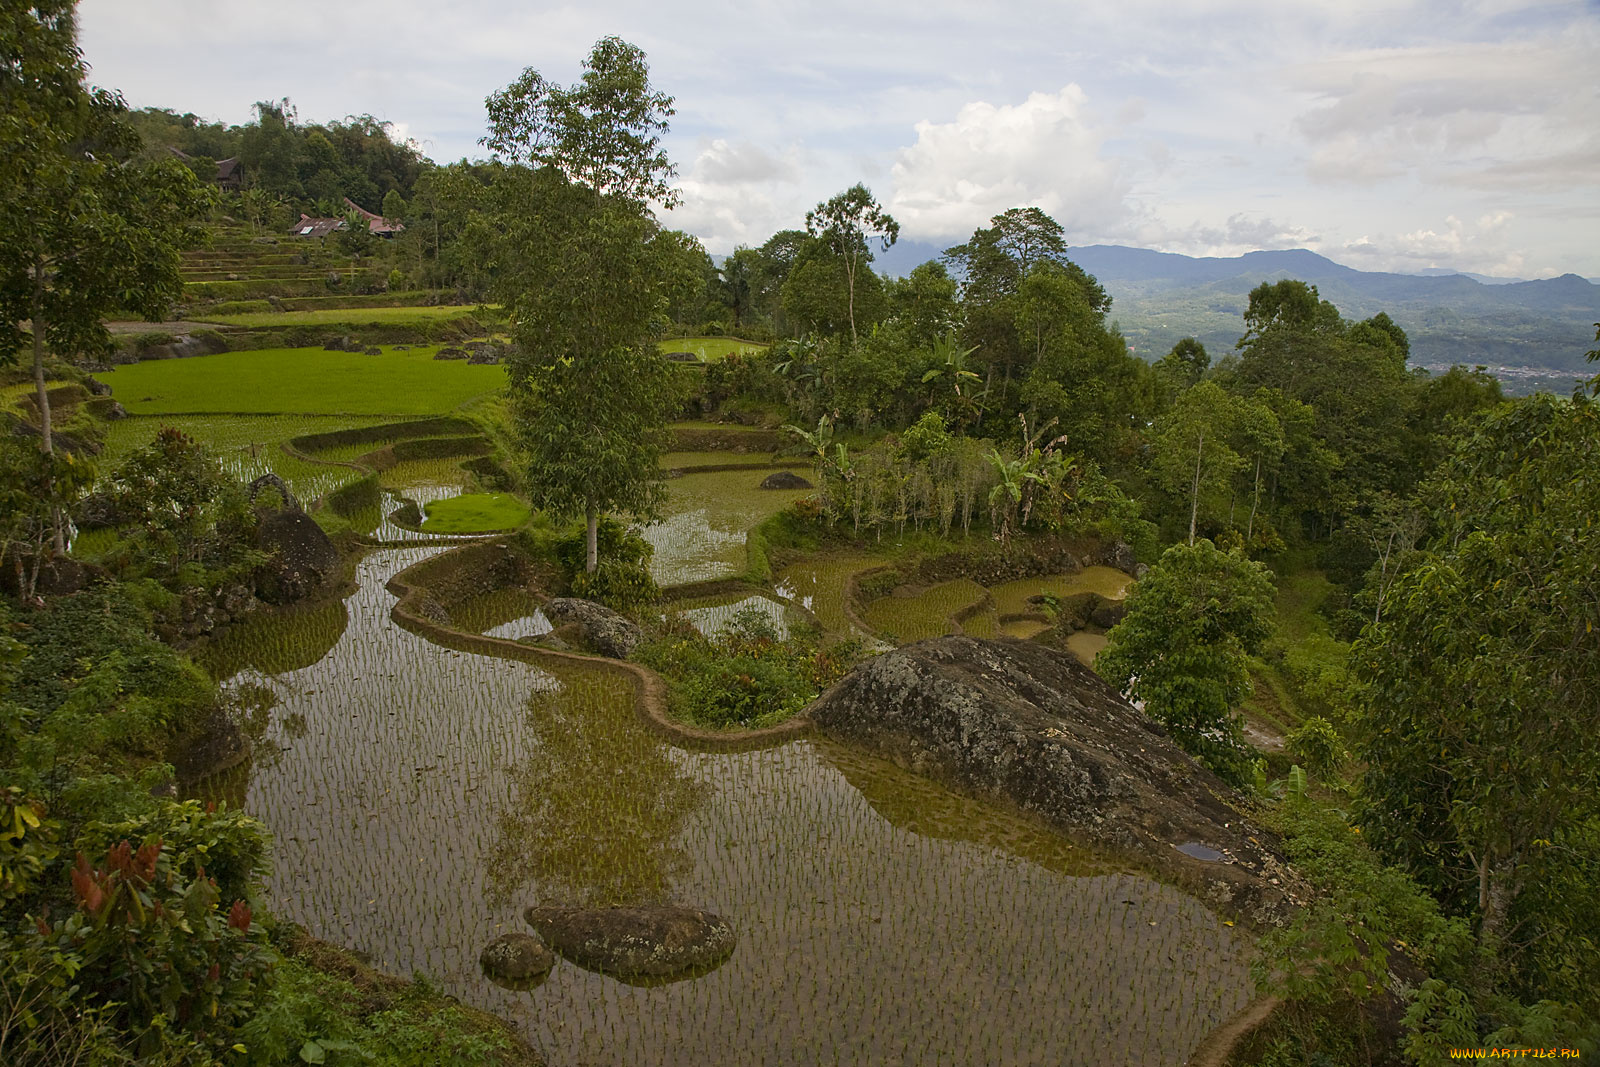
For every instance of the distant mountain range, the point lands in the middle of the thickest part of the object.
(1529, 332)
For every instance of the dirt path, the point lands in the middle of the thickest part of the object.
(1218, 1047)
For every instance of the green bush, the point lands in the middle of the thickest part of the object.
(745, 676)
(621, 578)
(1318, 746)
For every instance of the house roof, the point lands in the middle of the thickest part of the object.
(375, 223)
(310, 227)
(226, 168)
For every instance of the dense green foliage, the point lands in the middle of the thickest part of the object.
(1482, 716)
(1183, 649)
(746, 676)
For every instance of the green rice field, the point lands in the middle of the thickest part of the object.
(390, 316)
(710, 349)
(307, 381)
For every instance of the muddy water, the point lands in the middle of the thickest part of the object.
(929, 614)
(709, 514)
(420, 798)
(1086, 645)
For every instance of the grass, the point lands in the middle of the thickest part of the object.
(475, 513)
(709, 349)
(246, 446)
(392, 316)
(306, 381)
(1302, 669)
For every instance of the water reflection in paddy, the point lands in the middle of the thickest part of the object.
(704, 535)
(420, 798)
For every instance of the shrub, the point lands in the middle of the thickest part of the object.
(622, 577)
(746, 676)
(1317, 744)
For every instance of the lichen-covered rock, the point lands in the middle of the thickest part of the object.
(450, 352)
(1108, 613)
(516, 958)
(602, 629)
(785, 480)
(1032, 727)
(303, 559)
(643, 944)
(1118, 554)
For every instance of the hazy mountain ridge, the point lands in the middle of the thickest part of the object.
(1159, 297)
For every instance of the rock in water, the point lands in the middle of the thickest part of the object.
(303, 557)
(603, 630)
(1033, 728)
(1119, 555)
(645, 944)
(785, 480)
(516, 958)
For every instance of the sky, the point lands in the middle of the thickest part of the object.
(1458, 134)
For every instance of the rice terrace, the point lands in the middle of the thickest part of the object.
(448, 616)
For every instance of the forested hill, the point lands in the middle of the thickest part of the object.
(1160, 297)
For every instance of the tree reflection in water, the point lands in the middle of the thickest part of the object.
(598, 805)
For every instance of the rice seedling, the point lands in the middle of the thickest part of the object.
(421, 796)
(708, 514)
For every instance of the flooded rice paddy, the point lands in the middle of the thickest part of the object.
(704, 535)
(246, 446)
(713, 615)
(420, 798)
(931, 612)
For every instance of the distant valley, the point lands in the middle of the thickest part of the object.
(1532, 334)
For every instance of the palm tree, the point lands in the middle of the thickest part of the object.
(954, 377)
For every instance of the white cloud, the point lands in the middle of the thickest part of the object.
(1473, 114)
(740, 163)
(1483, 246)
(1044, 152)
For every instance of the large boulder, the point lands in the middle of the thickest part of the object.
(303, 559)
(785, 480)
(643, 945)
(1031, 727)
(601, 629)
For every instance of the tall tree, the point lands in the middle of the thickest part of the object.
(846, 223)
(1481, 690)
(585, 271)
(89, 227)
(1183, 649)
(992, 266)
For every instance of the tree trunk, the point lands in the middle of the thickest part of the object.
(850, 288)
(1194, 493)
(1250, 528)
(1383, 579)
(45, 442)
(58, 537)
(592, 540)
(1496, 893)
